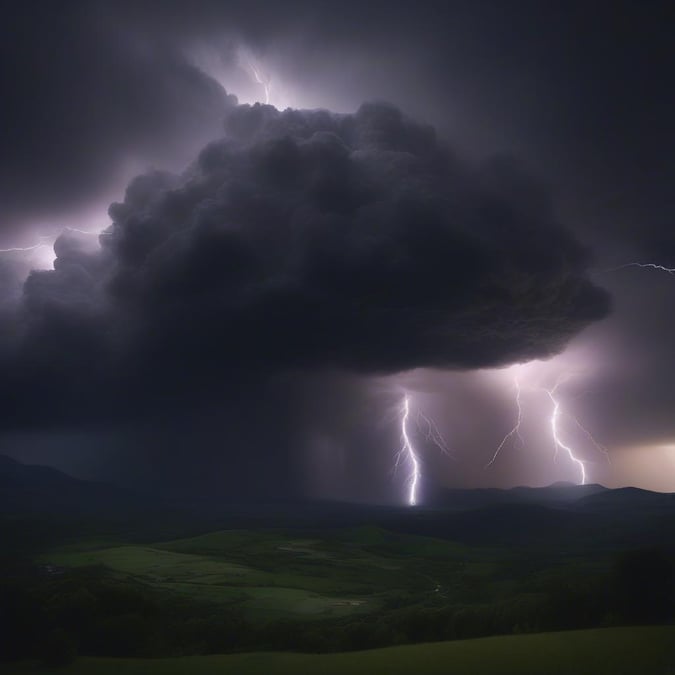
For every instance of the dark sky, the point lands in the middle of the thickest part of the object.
(225, 297)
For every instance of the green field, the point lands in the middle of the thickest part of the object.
(335, 591)
(282, 575)
(610, 651)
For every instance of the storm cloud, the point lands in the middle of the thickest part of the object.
(87, 95)
(300, 241)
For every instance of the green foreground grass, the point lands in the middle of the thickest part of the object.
(610, 651)
(272, 575)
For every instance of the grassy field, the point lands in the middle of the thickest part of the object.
(610, 651)
(325, 596)
(272, 574)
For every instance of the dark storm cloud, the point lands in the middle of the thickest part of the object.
(191, 285)
(301, 240)
(87, 85)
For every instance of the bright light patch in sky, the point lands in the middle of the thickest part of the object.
(255, 78)
(41, 255)
(263, 80)
(268, 86)
(648, 465)
(560, 419)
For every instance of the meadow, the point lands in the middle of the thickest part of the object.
(609, 651)
(273, 574)
(310, 592)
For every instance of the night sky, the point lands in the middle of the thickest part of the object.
(204, 294)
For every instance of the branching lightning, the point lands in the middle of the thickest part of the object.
(559, 443)
(259, 80)
(652, 266)
(408, 453)
(515, 431)
(43, 240)
(89, 232)
(555, 423)
(432, 433)
(598, 446)
(48, 241)
(555, 417)
(19, 249)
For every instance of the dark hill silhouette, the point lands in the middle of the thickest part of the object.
(629, 498)
(28, 488)
(556, 494)
(579, 517)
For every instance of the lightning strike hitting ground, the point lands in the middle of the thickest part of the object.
(408, 452)
(515, 431)
(559, 443)
(555, 422)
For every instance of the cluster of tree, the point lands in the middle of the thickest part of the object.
(88, 612)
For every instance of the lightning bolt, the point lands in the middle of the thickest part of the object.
(259, 80)
(47, 240)
(18, 249)
(555, 423)
(652, 266)
(100, 233)
(408, 452)
(432, 433)
(515, 431)
(557, 412)
(598, 446)
(559, 443)
(43, 240)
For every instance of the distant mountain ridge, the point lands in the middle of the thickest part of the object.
(629, 497)
(35, 488)
(583, 517)
(13, 473)
(556, 493)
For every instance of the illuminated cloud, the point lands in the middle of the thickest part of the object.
(305, 240)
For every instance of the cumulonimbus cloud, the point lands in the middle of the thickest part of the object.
(300, 240)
